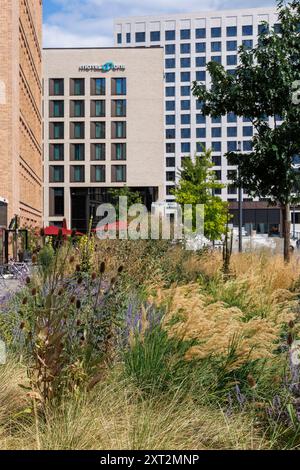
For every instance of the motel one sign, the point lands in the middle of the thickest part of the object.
(107, 67)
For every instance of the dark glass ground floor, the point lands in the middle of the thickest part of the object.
(258, 217)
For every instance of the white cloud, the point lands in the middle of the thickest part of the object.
(89, 23)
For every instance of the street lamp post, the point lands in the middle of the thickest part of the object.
(240, 202)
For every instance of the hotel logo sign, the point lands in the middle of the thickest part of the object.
(107, 67)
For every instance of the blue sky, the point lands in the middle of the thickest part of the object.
(89, 23)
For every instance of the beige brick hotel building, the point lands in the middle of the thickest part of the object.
(103, 129)
(20, 112)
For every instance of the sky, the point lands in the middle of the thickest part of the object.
(89, 23)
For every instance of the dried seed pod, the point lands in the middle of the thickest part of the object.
(42, 232)
(73, 299)
(22, 326)
(79, 281)
(25, 300)
(34, 259)
(72, 259)
(121, 269)
(78, 323)
(60, 292)
(291, 324)
(33, 292)
(94, 276)
(78, 268)
(78, 304)
(28, 280)
(102, 267)
(251, 381)
(290, 339)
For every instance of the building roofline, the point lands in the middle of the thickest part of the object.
(101, 48)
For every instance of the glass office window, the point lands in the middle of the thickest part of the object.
(56, 152)
(185, 34)
(170, 91)
(216, 46)
(247, 146)
(77, 108)
(232, 146)
(247, 131)
(186, 133)
(170, 133)
(216, 146)
(201, 75)
(185, 91)
(170, 77)
(119, 86)
(185, 62)
(200, 33)
(231, 45)
(200, 47)
(77, 130)
(231, 131)
(119, 38)
(216, 132)
(56, 174)
(185, 147)
(118, 108)
(185, 76)
(98, 151)
(216, 32)
(217, 59)
(185, 105)
(216, 120)
(170, 148)
(98, 108)
(247, 43)
(98, 86)
(170, 162)
(200, 61)
(170, 49)
(170, 119)
(98, 130)
(77, 152)
(263, 28)
(140, 37)
(119, 130)
(185, 119)
(231, 31)
(98, 174)
(118, 173)
(277, 28)
(231, 60)
(200, 119)
(56, 109)
(170, 35)
(185, 48)
(77, 86)
(170, 105)
(217, 160)
(201, 133)
(56, 130)
(57, 203)
(57, 86)
(77, 174)
(170, 63)
(231, 117)
(155, 36)
(247, 30)
(128, 38)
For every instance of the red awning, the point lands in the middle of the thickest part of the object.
(53, 231)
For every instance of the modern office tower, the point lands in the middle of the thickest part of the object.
(103, 129)
(189, 42)
(20, 112)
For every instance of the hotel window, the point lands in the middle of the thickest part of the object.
(98, 108)
(216, 32)
(118, 86)
(170, 162)
(77, 152)
(231, 131)
(56, 109)
(201, 76)
(217, 160)
(170, 148)
(248, 30)
(56, 174)
(231, 45)
(200, 119)
(56, 202)
(118, 108)
(77, 86)
(56, 152)
(201, 133)
(217, 191)
(200, 33)
(170, 49)
(231, 117)
(185, 48)
(170, 91)
(185, 119)
(199, 105)
(155, 36)
(170, 134)
(119, 38)
(218, 175)
(170, 35)
(185, 147)
(231, 146)
(231, 60)
(263, 28)
(200, 47)
(247, 146)
(118, 130)
(170, 77)
(56, 130)
(217, 59)
(170, 63)
(170, 176)
(77, 174)
(170, 105)
(77, 108)
(98, 130)
(98, 152)
(118, 174)
(216, 46)
(186, 133)
(98, 173)
(185, 91)
(277, 28)
(231, 31)
(118, 151)
(128, 38)
(56, 86)
(216, 120)
(232, 189)
(185, 62)
(185, 105)
(98, 86)
(200, 61)
(185, 34)
(247, 43)
(170, 120)
(77, 130)
(140, 37)
(247, 131)
(185, 76)
(216, 146)
(216, 132)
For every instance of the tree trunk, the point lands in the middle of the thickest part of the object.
(286, 222)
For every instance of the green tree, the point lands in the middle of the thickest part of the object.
(133, 197)
(197, 185)
(263, 90)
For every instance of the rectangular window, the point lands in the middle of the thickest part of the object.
(247, 43)
(216, 146)
(170, 49)
(170, 134)
(232, 146)
(200, 61)
(118, 152)
(277, 28)
(170, 162)
(56, 152)
(217, 59)
(77, 152)
(263, 28)
(247, 30)
(170, 120)
(200, 47)
(216, 132)
(185, 147)
(247, 131)
(218, 175)
(200, 119)
(77, 108)
(186, 133)
(170, 91)
(118, 174)
(56, 109)
(231, 117)
(185, 91)
(56, 130)
(170, 35)
(201, 133)
(185, 62)
(216, 120)
(216, 46)
(217, 160)
(77, 86)
(216, 32)
(170, 176)
(200, 33)
(128, 38)
(56, 174)
(231, 131)
(119, 38)
(98, 130)
(231, 60)
(98, 152)
(118, 108)
(185, 119)
(155, 36)
(118, 130)
(185, 76)
(170, 77)
(201, 76)
(98, 108)
(56, 86)
(77, 130)
(247, 146)
(231, 45)
(170, 148)
(118, 86)
(185, 48)
(231, 31)
(185, 34)
(98, 86)
(77, 174)
(170, 63)
(56, 202)
(98, 174)
(140, 37)
(170, 105)
(185, 105)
